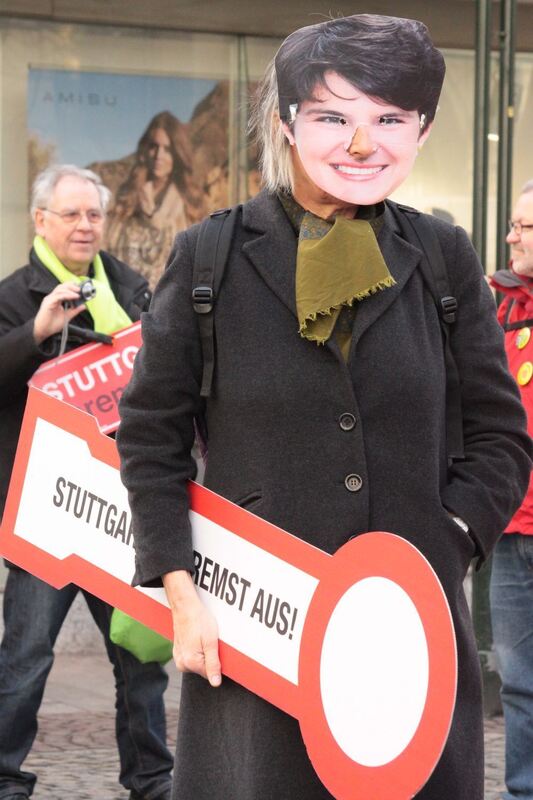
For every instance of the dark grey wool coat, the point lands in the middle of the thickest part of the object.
(274, 435)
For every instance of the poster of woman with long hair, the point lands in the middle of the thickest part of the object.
(157, 199)
(164, 157)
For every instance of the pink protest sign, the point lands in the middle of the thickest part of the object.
(93, 377)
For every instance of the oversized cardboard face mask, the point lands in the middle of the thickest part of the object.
(352, 147)
(351, 94)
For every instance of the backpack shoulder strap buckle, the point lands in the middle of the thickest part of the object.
(203, 298)
(448, 308)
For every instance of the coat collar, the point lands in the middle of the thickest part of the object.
(509, 283)
(40, 279)
(272, 251)
(517, 289)
(402, 258)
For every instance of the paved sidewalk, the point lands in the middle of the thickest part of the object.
(75, 754)
(494, 758)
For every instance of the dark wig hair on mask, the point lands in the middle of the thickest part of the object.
(388, 58)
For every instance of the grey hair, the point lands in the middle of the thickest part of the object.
(266, 129)
(527, 187)
(47, 180)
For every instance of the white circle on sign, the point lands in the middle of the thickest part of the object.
(374, 671)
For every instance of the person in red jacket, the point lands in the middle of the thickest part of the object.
(511, 592)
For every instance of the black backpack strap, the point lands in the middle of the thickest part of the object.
(417, 230)
(519, 324)
(212, 249)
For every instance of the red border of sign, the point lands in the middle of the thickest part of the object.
(360, 558)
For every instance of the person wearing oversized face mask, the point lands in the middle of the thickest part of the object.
(511, 594)
(328, 406)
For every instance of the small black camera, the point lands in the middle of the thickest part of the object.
(87, 292)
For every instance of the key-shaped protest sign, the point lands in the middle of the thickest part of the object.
(359, 646)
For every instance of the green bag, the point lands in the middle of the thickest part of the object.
(143, 642)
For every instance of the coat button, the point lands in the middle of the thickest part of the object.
(353, 482)
(347, 421)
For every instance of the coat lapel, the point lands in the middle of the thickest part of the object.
(402, 258)
(271, 247)
(40, 279)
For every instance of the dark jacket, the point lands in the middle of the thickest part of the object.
(275, 435)
(21, 295)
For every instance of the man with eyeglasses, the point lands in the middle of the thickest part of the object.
(37, 303)
(511, 594)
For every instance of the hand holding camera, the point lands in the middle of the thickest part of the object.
(63, 303)
(87, 290)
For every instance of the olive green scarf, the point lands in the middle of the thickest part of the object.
(338, 262)
(107, 314)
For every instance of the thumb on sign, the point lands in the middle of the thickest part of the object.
(195, 629)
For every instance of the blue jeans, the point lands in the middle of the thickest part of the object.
(33, 614)
(511, 599)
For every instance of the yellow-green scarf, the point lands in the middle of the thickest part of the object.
(107, 314)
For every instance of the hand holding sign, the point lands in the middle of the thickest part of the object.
(195, 629)
(310, 632)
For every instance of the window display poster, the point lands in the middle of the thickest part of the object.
(159, 143)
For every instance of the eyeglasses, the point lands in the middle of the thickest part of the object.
(72, 217)
(387, 129)
(519, 227)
